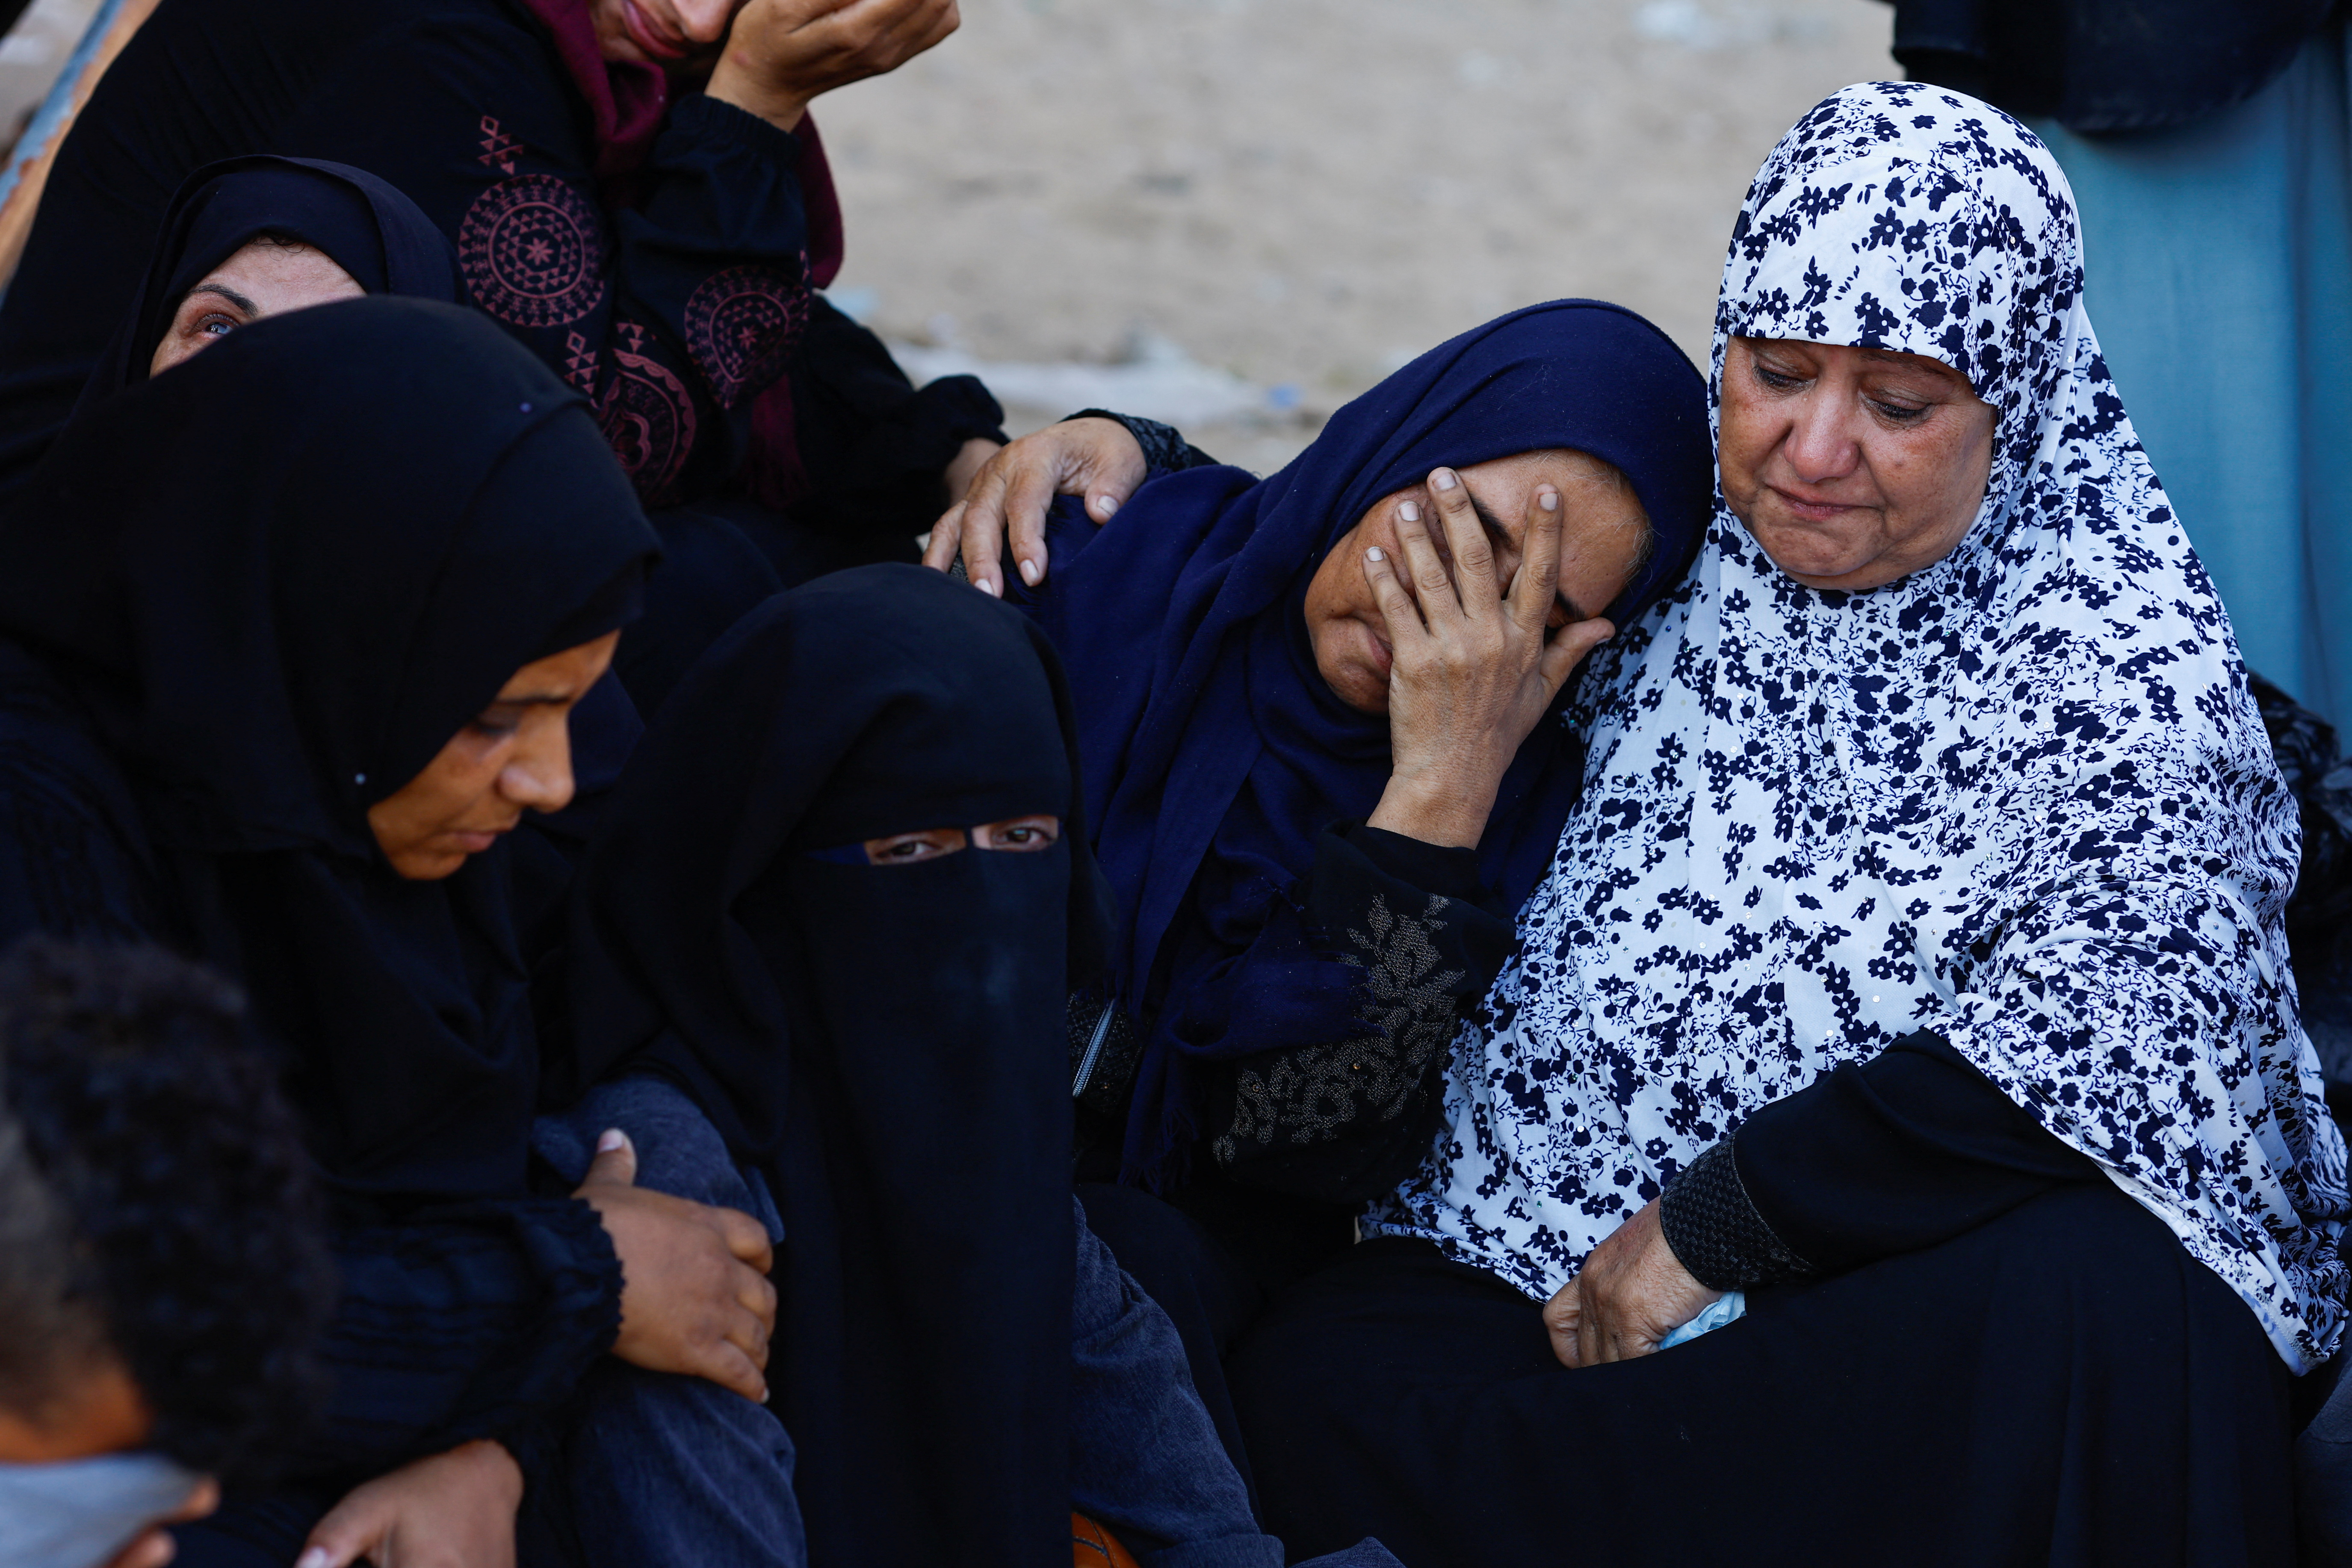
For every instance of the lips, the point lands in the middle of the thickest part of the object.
(1812, 510)
(656, 41)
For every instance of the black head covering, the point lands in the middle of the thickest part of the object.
(887, 1038)
(365, 225)
(281, 579)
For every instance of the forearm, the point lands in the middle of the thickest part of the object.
(461, 1321)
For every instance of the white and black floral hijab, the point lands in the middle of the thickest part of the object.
(2020, 799)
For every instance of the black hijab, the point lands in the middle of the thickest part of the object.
(362, 224)
(279, 580)
(886, 1039)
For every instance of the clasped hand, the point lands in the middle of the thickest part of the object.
(1472, 667)
(1631, 1293)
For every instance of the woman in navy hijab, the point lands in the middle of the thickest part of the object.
(1320, 716)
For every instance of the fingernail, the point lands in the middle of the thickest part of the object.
(1549, 500)
(1374, 554)
(317, 1557)
(986, 585)
(1106, 505)
(1443, 479)
(1408, 511)
(1029, 573)
(611, 1138)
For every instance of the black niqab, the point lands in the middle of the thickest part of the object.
(279, 580)
(886, 1040)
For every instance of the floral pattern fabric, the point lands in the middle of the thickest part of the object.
(2022, 798)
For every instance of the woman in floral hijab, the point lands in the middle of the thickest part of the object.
(1910, 976)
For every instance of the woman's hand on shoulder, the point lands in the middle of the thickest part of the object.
(1472, 667)
(695, 1296)
(780, 54)
(1094, 458)
(452, 1510)
(1632, 1293)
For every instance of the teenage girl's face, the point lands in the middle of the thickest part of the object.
(1601, 538)
(515, 756)
(264, 278)
(1015, 834)
(676, 35)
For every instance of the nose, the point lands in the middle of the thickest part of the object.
(1821, 444)
(537, 777)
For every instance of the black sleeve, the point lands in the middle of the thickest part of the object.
(1903, 1151)
(672, 301)
(460, 1321)
(1344, 1107)
(1165, 451)
(876, 447)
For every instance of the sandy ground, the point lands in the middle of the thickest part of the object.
(1306, 193)
(1237, 214)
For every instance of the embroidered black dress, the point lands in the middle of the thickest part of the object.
(672, 295)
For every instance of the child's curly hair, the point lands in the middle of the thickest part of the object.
(157, 1202)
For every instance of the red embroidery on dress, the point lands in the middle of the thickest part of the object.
(499, 149)
(741, 325)
(578, 362)
(648, 417)
(533, 251)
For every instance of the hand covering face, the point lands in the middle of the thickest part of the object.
(885, 1040)
(279, 579)
(1216, 752)
(2020, 799)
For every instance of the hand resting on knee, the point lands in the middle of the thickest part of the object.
(1632, 1293)
(695, 1296)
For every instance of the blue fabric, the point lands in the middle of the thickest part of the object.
(1146, 1463)
(658, 1467)
(1214, 753)
(2218, 263)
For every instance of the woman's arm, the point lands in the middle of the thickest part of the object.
(1353, 993)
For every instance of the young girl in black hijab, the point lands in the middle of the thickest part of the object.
(294, 632)
(839, 903)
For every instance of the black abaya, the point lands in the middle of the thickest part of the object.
(2064, 1386)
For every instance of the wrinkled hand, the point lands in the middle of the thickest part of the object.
(780, 54)
(1093, 458)
(1632, 1293)
(695, 1296)
(1471, 670)
(155, 1547)
(453, 1511)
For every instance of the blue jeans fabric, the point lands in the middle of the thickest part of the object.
(655, 1468)
(1145, 1459)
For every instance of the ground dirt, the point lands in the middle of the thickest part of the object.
(1308, 193)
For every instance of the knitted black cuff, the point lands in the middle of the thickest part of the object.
(1715, 1232)
(1165, 451)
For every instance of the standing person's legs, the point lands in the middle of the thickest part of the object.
(657, 1467)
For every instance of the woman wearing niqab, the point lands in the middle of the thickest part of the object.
(342, 533)
(1922, 945)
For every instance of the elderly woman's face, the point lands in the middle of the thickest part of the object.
(672, 34)
(1601, 534)
(267, 278)
(1851, 467)
(514, 756)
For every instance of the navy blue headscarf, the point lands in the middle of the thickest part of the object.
(1214, 753)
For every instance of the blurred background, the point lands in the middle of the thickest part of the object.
(1235, 215)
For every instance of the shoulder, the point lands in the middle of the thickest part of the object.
(73, 856)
